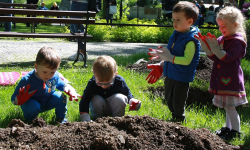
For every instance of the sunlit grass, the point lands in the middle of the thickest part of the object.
(197, 116)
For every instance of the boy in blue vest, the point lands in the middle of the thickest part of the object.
(180, 59)
(36, 91)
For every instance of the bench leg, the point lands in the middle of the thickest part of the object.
(84, 56)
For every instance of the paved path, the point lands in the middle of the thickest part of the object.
(25, 51)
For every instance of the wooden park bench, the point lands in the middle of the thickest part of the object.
(22, 18)
(14, 5)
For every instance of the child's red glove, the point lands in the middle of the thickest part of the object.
(68, 89)
(203, 38)
(134, 104)
(150, 49)
(155, 74)
(24, 95)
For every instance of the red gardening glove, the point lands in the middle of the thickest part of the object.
(155, 57)
(69, 90)
(134, 104)
(155, 74)
(24, 95)
(203, 38)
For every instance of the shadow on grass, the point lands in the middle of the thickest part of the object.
(121, 61)
(246, 145)
(30, 64)
(18, 115)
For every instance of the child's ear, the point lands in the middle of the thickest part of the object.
(116, 73)
(35, 65)
(236, 24)
(190, 21)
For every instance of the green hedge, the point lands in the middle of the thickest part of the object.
(136, 34)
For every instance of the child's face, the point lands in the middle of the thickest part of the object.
(180, 22)
(44, 73)
(104, 84)
(226, 28)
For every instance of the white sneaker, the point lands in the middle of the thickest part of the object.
(73, 57)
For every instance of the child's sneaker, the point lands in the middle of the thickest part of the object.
(223, 131)
(61, 120)
(232, 134)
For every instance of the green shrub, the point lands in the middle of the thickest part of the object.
(248, 39)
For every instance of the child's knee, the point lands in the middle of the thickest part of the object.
(60, 97)
(119, 100)
(97, 102)
(31, 109)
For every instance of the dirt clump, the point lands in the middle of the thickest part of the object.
(203, 70)
(195, 95)
(110, 133)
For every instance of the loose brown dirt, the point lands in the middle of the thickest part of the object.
(128, 132)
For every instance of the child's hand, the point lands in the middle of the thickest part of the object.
(161, 54)
(68, 89)
(24, 95)
(155, 74)
(85, 117)
(134, 104)
(215, 47)
(204, 44)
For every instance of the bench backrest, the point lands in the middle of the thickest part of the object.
(33, 12)
(19, 5)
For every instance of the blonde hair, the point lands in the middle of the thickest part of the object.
(104, 68)
(233, 15)
(54, 4)
(47, 56)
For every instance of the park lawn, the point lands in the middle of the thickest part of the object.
(197, 117)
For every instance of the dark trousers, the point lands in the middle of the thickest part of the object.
(28, 24)
(176, 94)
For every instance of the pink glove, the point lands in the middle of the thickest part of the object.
(155, 74)
(24, 95)
(134, 104)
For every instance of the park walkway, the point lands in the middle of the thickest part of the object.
(25, 51)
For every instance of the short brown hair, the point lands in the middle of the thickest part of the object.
(104, 67)
(190, 10)
(47, 56)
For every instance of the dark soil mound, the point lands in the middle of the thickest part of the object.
(195, 95)
(128, 132)
(203, 70)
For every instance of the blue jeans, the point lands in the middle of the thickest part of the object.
(8, 25)
(77, 6)
(32, 107)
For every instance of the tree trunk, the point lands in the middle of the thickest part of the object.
(241, 4)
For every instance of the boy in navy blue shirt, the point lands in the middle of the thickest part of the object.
(107, 93)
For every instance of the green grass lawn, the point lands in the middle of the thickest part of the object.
(197, 117)
(41, 28)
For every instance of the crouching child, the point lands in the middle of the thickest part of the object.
(107, 93)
